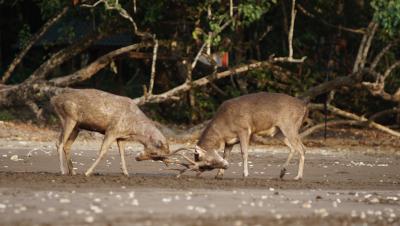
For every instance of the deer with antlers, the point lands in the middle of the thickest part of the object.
(117, 117)
(238, 119)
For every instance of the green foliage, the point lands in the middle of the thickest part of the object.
(67, 33)
(6, 116)
(50, 7)
(206, 106)
(251, 10)
(153, 12)
(247, 12)
(387, 14)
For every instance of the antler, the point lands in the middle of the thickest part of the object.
(167, 161)
(190, 166)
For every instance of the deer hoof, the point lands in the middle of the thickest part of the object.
(298, 178)
(283, 172)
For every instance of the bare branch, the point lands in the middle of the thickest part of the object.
(35, 109)
(174, 92)
(290, 39)
(390, 69)
(364, 47)
(319, 126)
(383, 113)
(198, 55)
(379, 56)
(153, 66)
(325, 87)
(353, 116)
(231, 8)
(123, 13)
(32, 41)
(290, 36)
(309, 14)
(288, 59)
(91, 69)
(377, 88)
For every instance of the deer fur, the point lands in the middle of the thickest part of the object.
(239, 118)
(117, 117)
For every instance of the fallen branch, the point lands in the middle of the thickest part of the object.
(377, 88)
(325, 87)
(353, 116)
(383, 113)
(319, 126)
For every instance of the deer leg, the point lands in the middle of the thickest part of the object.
(121, 147)
(108, 139)
(60, 148)
(66, 131)
(293, 140)
(244, 144)
(290, 156)
(301, 150)
(227, 152)
(67, 150)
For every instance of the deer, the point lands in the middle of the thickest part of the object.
(237, 119)
(117, 117)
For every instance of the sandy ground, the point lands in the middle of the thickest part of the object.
(342, 186)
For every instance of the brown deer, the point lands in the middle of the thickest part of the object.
(117, 117)
(238, 119)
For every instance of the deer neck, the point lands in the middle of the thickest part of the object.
(210, 139)
(145, 134)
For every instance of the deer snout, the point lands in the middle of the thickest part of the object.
(224, 164)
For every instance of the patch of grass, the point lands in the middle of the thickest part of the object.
(6, 115)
